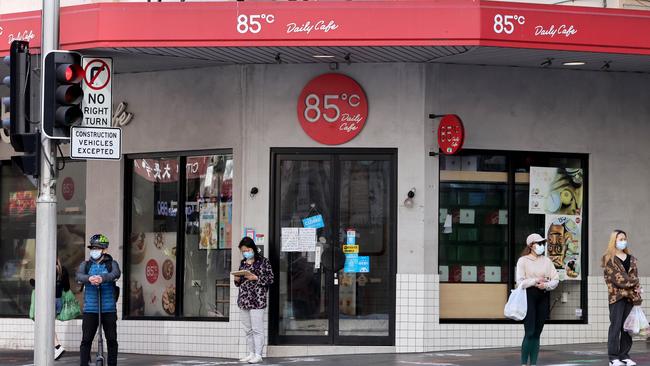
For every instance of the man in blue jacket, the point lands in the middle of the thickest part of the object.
(99, 273)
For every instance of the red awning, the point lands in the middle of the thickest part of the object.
(335, 23)
(157, 36)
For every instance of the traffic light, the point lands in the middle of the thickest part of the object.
(18, 123)
(62, 93)
(18, 101)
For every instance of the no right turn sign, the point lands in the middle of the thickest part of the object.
(97, 100)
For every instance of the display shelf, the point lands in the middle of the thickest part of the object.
(473, 176)
(521, 178)
(481, 177)
(458, 300)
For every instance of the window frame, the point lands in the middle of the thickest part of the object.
(512, 247)
(180, 237)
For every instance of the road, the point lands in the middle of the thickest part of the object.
(564, 355)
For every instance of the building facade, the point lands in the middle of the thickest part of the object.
(547, 148)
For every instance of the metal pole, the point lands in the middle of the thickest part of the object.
(46, 211)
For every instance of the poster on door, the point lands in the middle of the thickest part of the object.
(208, 222)
(563, 247)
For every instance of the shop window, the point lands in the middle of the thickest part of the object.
(489, 203)
(18, 231)
(180, 235)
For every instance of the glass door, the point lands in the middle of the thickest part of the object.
(337, 286)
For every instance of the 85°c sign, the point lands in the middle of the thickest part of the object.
(332, 109)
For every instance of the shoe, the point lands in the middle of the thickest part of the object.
(255, 359)
(616, 363)
(59, 351)
(247, 358)
(629, 362)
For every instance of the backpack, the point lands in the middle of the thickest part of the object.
(109, 268)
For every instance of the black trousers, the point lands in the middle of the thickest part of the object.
(619, 342)
(89, 328)
(536, 315)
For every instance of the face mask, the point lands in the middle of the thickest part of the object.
(539, 249)
(621, 245)
(95, 254)
(248, 255)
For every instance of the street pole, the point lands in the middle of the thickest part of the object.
(46, 211)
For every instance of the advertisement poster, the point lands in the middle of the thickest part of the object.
(563, 247)
(225, 225)
(555, 191)
(153, 280)
(208, 222)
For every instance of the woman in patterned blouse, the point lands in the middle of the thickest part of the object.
(621, 277)
(253, 288)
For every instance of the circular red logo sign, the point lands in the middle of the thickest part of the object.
(152, 271)
(451, 134)
(332, 109)
(67, 188)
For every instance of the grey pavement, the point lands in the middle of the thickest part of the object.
(564, 355)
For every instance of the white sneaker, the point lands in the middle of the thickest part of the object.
(629, 362)
(247, 358)
(255, 359)
(616, 363)
(58, 351)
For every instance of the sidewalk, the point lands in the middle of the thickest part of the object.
(564, 355)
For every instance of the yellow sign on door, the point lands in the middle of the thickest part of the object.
(351, 249)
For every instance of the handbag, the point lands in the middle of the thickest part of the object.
(517, 304)
(69, 307)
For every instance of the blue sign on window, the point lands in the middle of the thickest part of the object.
(351, 237)
(351, 263)
(313, 222)
(363, 264)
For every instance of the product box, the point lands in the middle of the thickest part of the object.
(469, 274)
(443, 271)
(450, 163)
(454, 273)
(469, 163)
(489, 274)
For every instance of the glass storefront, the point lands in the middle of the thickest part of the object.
(182, 275)
(18, 231)
(489, 203)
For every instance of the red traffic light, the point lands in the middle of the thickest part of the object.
(69, 73)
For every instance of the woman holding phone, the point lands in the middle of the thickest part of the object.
(253, 279)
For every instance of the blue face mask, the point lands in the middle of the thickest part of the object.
(95, 254)
(248, 255)
(621, 245)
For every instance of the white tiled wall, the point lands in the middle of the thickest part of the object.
(192, 338)
(417, 327)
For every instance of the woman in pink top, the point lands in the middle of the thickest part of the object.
(537, 274)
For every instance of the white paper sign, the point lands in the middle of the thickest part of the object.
(296, 239)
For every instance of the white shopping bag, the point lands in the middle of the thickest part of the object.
(636, 322)
(517, 304)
